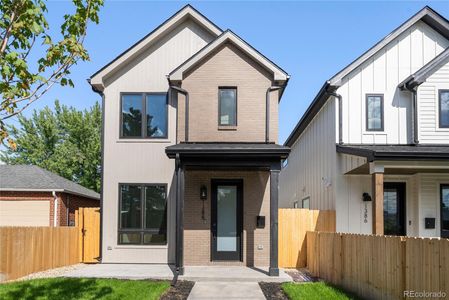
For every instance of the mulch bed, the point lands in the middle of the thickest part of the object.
(180, 291)
(273, 291)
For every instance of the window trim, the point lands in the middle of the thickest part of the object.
(304, 199)
(440, 91)
(382, 112)
(219, 106)
(443, 185)
(143, 135)
(141, 230)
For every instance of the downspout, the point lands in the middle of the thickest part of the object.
(55, 210)
(267, 111)
(102, 166)
(186, 118)
(415, 117)
(340, 115)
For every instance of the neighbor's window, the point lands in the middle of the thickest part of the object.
(227, 106)
(374, 112)
(443, 108)
(144, 115)
(306, 202)
(143, 214)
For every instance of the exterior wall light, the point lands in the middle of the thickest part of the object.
(203, 192)
(366, 197)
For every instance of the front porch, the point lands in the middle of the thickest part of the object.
(227, 204)
(409, 187)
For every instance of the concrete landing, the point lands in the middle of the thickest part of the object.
(226, 290)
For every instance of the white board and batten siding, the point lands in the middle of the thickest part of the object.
(137, 160)
(311, 165)
(381, 74)
(428, 108)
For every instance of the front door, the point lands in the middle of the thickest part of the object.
(394, 208)
(227, 215)
(444, 195)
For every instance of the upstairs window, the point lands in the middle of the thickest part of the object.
(374, 112)
(227, 106)
(144, 115)
(443, 108)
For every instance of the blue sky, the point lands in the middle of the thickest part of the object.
(310, 40)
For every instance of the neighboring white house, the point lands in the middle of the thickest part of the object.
(379, 130)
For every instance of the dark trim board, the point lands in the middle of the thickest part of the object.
(444, 233)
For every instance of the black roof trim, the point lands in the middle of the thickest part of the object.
(417, 78)
(228, 149)
(312, 110)
(153, 31)
(396, 152)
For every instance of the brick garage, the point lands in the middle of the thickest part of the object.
(26, 197)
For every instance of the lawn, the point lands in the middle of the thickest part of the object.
(314, 290)
(83, 288)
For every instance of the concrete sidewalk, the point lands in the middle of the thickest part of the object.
(226, 290)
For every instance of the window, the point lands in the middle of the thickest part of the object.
(144, 115)
(374, 112)
(306, 202)
(227, 106)
(443, 108)
(143, 214)
(284, 163)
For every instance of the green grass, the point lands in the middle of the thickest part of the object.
(314, 290)
(83, 288)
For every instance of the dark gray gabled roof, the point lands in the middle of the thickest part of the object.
(227, 149)
(397, 152)
(427, 70)
(34, 178)
(426, 15)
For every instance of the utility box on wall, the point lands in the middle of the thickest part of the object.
(429, 223)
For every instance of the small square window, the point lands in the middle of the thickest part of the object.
(443, 108)
(374, 112)
(227, 106)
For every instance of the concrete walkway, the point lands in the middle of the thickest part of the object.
(226, 290)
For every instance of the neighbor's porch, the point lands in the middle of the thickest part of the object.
(227, 204)
(409, 187)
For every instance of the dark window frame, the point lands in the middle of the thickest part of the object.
(141, 230)
(443, 233)
(382, 110)
(143, 134)
(439, 108)
(219, 105)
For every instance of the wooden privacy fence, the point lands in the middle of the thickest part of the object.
(379, 267)
(87, 220)
(25, 250)
(293, 225)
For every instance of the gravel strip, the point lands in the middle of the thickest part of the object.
(273, 291)
(57, 272)
(301, 275)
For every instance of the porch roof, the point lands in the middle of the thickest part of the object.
(397, 152)
(241, 150)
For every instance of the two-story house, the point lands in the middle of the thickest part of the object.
(374, 143)
(190, 154)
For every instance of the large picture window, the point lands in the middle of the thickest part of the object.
(374, 112)
(443, 108)
(227, 106)
(144, 115)
(143, 214)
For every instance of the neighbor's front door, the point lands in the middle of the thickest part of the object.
(227, 215)
(444, 194)
(394, 208)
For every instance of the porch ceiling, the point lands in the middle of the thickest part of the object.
(405, 167)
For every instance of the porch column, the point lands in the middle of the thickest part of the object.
(179, 216)
(274, 191)
(377, 173)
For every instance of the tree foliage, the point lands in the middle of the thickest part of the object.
(62, 140)
(24, 30)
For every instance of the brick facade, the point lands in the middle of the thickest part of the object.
(65, 200)
(256, 201)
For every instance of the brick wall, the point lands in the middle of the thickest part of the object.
(74, 203)
(256, 201)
